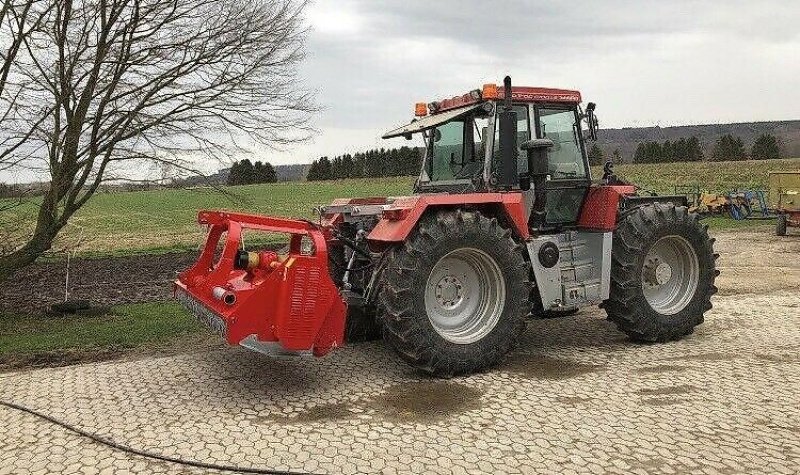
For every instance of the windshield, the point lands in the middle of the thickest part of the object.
(457, 149)
(562, 127)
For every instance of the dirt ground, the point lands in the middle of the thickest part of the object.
(102, 281)
(576, 396)
(751, 262)
(758, 262)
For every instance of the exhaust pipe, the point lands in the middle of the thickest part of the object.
(226, 296)
(507, 176)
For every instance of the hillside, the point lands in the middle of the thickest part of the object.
(166, 218)
(626, 139)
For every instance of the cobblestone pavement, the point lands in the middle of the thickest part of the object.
(575, 397)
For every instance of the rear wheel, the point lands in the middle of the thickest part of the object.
(662, 273)
(454, 295)
(780, 228)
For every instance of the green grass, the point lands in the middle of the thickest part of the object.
(716, 177)
(123, 327)
(165, 220)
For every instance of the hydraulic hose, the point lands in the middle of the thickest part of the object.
(143, 453)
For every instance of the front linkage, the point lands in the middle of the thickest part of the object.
(267, 302)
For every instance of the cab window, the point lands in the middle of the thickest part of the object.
(458, 149)
(562, 127)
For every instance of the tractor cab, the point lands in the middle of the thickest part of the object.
(461, 137)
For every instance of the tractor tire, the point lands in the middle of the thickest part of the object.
(780, 228)
(662, 273)
(454, 296)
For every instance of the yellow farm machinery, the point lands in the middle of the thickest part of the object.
(784, 198)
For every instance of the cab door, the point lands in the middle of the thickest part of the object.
(567, 164)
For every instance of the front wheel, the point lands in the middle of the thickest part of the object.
(454, 295)
(662, 273)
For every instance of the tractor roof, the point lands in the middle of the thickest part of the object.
(494, 92)
(438, 112)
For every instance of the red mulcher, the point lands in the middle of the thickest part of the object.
(506, 224)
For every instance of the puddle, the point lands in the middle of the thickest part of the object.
(778, 358)
(668, 390)
(661, 368)
(544, 367)
(660, 401)
(427, 400)
(423, 401)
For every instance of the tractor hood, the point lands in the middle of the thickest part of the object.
(431, 121)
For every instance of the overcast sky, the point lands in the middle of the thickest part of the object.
(644, 63)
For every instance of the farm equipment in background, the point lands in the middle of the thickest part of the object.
(748, 204)
(711, 203)
(737, 204)
(505, 223)
(701, 202)
(784, 198)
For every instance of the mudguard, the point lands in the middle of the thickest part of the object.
(291, 300)
(400, 218)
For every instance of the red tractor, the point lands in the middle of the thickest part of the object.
(505, 224)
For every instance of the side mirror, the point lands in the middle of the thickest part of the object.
(507, 176)
(591, 119)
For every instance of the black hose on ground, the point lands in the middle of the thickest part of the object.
(143, 453)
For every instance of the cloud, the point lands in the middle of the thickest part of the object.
(643, 62)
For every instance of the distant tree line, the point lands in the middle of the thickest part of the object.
(245, 172)
(683, 150)
(766, 147)
(727, 148)
(403, 161)
(598, 157)
(12, 191)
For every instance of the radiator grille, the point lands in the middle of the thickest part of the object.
(305, 297)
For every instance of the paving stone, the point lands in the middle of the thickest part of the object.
(576, 397)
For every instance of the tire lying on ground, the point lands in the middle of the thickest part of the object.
(780, 227)
(454, 296)
(662, 273)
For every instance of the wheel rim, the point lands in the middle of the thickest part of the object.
(464, 295)
(670, 275)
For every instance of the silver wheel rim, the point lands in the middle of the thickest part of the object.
(670, 275)
(465, 295)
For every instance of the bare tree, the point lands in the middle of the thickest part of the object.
(99, 86)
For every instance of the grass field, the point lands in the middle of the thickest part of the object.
(44, 339)
(165, 219)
